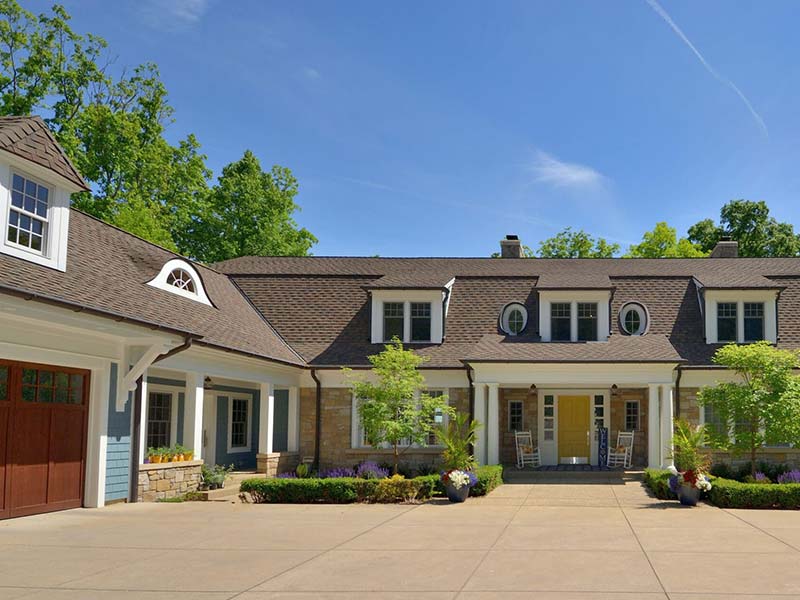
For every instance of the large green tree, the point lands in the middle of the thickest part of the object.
(663, 242)
(749, 223)
(249, 211)
(762, 406)
(576, 244)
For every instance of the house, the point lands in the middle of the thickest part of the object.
(110, 345)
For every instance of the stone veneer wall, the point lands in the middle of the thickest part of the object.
(530, 416)
(335, 443)
(690, 411)
(618, 399)
(277, 462)
(168, 480)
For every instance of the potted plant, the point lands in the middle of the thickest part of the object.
(689, 474)
(458, 437)
(181, 452)
(166, 455)
(153, 455)
(214, 477)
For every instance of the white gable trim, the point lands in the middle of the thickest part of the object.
(160, 281)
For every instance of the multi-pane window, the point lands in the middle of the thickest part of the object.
(44, 385)
(726, 321)
(587, 321)
(631, 415)
(159, 418)
(516, 321)
(180, 279)
(599, 413)
(28, 213)
(713, 421)
(753, 321)
(239, 418)
(549, 423)
(420, 322)
(392, 320)
(560, 321)
(515, 422)
(3, 382)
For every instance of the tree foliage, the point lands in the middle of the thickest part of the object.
(113, 129)
(393, 406)
(750, 224)
(663, 242)
(576, 244)
(762, 406)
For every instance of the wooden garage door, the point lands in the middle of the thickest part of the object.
(43, 421)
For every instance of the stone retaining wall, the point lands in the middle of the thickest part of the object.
(168, 480)
(277, 462)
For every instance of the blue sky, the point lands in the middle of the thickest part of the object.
(429, 129)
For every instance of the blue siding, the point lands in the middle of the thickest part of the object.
(181, 406)
(280, 417)
(240, 460)
(118, 451)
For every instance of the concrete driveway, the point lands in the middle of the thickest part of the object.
(561, 541)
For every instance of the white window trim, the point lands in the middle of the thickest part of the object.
(160, 281)
(357, 429)
(740, 297)
(644, 318)
(506, 312)
(173, 415)
(249, 399)
(54, 255)
(406, 298)
(638, 415)
(508, 422)
(573, 298)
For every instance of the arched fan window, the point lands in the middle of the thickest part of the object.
(179, 277)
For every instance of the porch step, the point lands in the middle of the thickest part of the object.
(566, 476)
(231, 490)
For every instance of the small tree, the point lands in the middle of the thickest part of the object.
(763, 407)
(395, 410)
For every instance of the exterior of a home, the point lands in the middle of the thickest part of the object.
(110, 345)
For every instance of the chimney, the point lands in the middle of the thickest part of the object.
(726, 248)
(511, 247)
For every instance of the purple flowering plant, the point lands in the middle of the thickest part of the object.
(792, 476)
(338, 472)
(371, 470)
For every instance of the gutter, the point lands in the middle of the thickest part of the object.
(136, 429)
(317, 428)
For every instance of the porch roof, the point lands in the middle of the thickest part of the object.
(652, 348)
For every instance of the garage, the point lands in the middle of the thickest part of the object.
(43, 425)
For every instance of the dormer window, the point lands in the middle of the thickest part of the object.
(740, 316)
(514, 318)
(27, 219)
(181, 280)
(560, 319)
(587, 321)
(393, 321)
(572, 315)
(179, 277)
(726, 322)
(634, 318)
(420, 321)
(753, 321)
(412, 316)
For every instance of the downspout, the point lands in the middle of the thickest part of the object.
(471, 400)
(445, 300)
(133, 490)
(317, 428)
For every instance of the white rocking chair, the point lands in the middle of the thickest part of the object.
(622, 454)
(526, 453)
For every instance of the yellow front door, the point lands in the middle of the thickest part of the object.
(573, 427)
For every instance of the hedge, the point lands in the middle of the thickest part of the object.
(727, 493)
(343, 490)
(657, 480)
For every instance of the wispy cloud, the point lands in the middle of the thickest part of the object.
(173, 14)
(371, 184)
(724, 80)
(548, 169)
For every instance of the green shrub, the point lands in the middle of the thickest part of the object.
(657, 481)
(727, 493)
(338, 490)
(489, 477)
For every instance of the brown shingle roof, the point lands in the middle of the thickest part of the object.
(108, 270)
(30, 138)
(416, 280)
(736, 281)
(565, 280)
(618, 348)
(320, 304)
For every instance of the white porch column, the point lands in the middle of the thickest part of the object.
(266, 411)
(653, 428)
(480, 417)
(666, 425)
(492, 426)
(193, 413)
(143, 420)
(293, 438)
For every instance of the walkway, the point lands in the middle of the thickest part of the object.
(561, 540)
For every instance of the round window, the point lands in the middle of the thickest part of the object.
(633, 318)
(514, 318)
